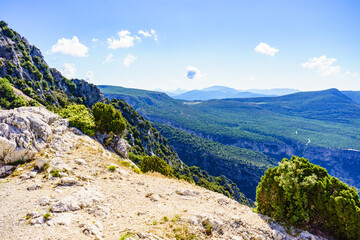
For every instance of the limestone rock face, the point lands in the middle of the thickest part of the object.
(24, 132)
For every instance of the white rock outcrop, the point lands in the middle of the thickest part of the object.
(122, 147)
(77, 200)
(25, 131)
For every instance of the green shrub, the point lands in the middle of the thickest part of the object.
(303, 194)
(47, 216)
(80, 117)
(156, 164)
(49, 78)
(8, 99)
(108, 119)
(71, 86)
(8, 32)
(6, 90)
(112, 168)
(44, 85)
(55, 173)
(18, 102)
(3, 24)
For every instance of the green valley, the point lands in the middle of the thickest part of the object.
(321, 125)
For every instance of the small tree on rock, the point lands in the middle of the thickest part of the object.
(108, 119)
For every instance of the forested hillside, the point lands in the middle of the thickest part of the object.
(321, 125)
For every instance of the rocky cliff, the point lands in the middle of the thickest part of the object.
(25, 67)
(74, 188)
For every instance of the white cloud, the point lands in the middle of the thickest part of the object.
(145, 34)
(94, 40)
(109, 58)
(90, 76)
(266, 49)
(137, 38)
(348, 73)
(323, 65)
(151, 34)
(129, 59)
(71, 47)
(193, 73)
(125, 40)
(69, 70)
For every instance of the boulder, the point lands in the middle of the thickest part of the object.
(6, 170)
(80, 161)
(24, 132)
(63, 219)
(93, 229)
(68, 181)
(34, 187)
(44, 200)
(121, 146)
(28, 175)
(41, 164)
(77, 200)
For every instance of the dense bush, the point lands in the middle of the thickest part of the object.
(3, 24)
(8, 99)
(108, 119)
(80, 117)
(8, 32)
(305, 195)
(156, 164)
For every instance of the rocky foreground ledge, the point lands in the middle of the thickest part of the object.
(71, 187)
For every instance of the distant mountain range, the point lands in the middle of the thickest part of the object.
(221, 92)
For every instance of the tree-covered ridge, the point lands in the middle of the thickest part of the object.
(303, 194)
(256, 124)
(297, 117)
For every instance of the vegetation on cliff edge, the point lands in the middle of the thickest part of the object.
(303, 194)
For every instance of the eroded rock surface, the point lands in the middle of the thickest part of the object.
(25, 131)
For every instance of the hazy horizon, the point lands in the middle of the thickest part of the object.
(187, 44)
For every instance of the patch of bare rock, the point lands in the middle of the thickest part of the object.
(65, 191)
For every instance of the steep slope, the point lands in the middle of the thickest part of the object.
(24, 66)
(322, 126)
(74, 188)
(158, 106)
(243, 166)
(354, 95)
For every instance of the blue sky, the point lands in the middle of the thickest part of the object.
(308, 45)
